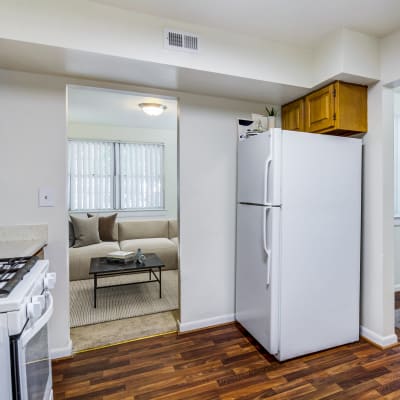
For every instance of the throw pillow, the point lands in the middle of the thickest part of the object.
(86, 231)
(71, 234)
(106, 227)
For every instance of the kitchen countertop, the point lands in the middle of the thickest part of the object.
(20, 248)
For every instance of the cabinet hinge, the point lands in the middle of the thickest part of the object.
(334, 116)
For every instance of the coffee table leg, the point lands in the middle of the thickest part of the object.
(159, 272)
(95, 289)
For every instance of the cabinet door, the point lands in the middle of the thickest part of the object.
(351, 111)
(320, 110)
(293, 116)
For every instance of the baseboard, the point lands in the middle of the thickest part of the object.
(383, 342)
(205, 323)
(61, 352)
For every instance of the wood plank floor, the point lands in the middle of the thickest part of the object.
(225, 363)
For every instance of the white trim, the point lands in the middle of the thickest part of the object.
(397, 287)
(61, 351)
(123, 213)
(205, 323)
(382, 341)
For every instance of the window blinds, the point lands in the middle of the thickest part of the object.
(141, 175)
(114, 175)
(91, 175)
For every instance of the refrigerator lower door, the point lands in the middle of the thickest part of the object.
(259, 168)
(256, 276)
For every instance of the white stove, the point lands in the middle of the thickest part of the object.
(26, 306)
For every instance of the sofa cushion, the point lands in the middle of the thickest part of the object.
(142, 229)
(79, 258)
(71, 234)
(108, 230)
(163, 247)
(172, 228)
(86, 231)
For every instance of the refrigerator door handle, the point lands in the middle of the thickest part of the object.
(266, 172)
(266, 249)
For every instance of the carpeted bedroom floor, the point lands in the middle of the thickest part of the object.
(123, 312)
(106, 333)
(120, 302)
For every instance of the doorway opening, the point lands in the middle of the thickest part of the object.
(123, 215)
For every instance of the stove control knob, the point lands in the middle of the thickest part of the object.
(41, 299)
(34, 310)
(50, 280)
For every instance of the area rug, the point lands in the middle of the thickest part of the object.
(121, 302)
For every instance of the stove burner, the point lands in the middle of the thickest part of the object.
(12, 271)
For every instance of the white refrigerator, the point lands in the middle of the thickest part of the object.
(298, 241)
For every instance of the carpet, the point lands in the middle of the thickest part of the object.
(121, 302)
(106, 333)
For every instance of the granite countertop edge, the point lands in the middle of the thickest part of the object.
(20, 248)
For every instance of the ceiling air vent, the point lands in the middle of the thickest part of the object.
(181, 40)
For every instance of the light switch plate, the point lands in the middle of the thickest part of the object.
(46, 197)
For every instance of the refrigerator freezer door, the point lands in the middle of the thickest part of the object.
(256, 276)
(320, 241)
(259, 169)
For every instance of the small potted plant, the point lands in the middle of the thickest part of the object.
(271, 116)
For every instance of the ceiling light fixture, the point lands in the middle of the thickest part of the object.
(153, 108)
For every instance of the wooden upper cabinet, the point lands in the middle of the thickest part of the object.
(319, 112)
(351, 107)
(339, 108)
(293, 116)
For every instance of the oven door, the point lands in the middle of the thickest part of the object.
(31, 368)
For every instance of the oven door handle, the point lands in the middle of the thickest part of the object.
(37, 325)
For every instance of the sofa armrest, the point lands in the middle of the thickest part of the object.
(172, 228)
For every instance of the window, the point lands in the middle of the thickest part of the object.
(115, 175)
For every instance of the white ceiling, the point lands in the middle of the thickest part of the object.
(291, 21)
(110, 107)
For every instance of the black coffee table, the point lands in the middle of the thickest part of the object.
(102, 268)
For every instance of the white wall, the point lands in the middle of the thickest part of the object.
(396, 109)
(377, 317)
(388, 210)
(168, 137)
(380, 240)
(390, 59)
(360, 54)
(396, 246)
(346, 52)
(33, 154)
(208, 212)
(33, 127)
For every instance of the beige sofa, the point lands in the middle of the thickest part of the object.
(152, 236)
